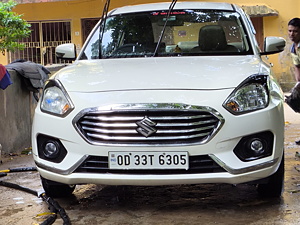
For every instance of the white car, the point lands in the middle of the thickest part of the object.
(163, 95)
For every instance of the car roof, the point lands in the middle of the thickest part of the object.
(178, 6)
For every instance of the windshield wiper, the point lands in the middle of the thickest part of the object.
(171, 7)
(102, 25)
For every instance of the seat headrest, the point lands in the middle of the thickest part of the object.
(212, 37)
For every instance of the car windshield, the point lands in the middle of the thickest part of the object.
(187, 32)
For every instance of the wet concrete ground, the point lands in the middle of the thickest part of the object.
(184, 204)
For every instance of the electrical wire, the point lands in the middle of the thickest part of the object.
(53, 205)
(21, 169)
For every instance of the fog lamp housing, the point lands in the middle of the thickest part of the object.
(255, 146)
(50, 148)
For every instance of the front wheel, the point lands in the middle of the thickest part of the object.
(275, 183)
(55, 189)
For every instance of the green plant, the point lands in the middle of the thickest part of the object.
(12, 28)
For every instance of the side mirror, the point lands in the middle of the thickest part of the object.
(66, 51)
(273, 45)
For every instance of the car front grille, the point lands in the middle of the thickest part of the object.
(145, 124)
(197, 164)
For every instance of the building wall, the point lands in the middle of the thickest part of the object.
(78, 9)
(16, 110)
(3, 59)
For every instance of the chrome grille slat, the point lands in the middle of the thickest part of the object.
(148, 124)
(106, 137)
(116, 124)
(119, 124)
(184, 130)
(106, 131)
(107, 118)
(113, 118)
(185, 124)
(127, 131)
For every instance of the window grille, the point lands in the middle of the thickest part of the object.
(40, 46)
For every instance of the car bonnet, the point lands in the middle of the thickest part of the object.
(159, 73)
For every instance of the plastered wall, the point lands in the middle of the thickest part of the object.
(16, 110)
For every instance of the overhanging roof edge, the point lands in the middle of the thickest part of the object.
(259, 10)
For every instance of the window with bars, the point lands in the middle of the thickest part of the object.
(87, 26)
(40, 46)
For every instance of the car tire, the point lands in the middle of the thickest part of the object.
(275, 183)
(57, 190)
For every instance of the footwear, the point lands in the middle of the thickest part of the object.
(297, 142)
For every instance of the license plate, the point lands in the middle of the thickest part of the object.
(148, 160)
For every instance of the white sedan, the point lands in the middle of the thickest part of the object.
(163, 95)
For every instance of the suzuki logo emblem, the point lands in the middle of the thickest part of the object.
(146, 127)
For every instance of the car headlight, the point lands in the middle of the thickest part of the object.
(251, 95)
(55, 99)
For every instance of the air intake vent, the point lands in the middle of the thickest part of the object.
(198, 164)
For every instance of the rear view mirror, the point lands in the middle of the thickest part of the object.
(66, 51)
(172, 21)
